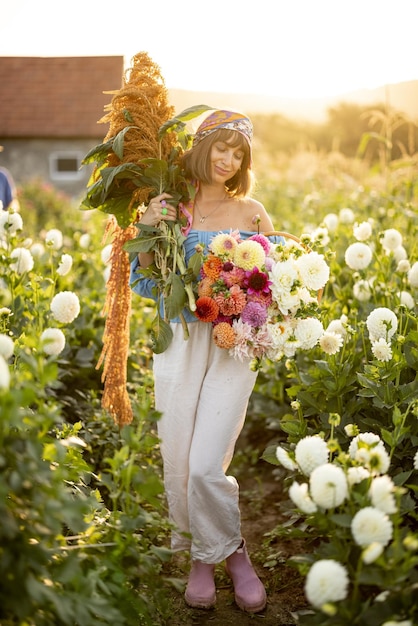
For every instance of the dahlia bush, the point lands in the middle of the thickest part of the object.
(350, 434)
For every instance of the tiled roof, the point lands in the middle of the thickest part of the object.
(51, 97)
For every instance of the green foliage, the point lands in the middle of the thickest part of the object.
(366, 394)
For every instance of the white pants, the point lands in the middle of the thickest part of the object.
(202, 394)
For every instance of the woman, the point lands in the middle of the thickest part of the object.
(201, 392)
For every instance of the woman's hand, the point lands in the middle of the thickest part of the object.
(159, 209)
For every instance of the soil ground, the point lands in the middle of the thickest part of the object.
(260, 495)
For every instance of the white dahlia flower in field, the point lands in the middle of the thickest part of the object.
(368, 449)
(413, 275)
(301, 499)
(7, 346)
(407, 299)
(84, 241)
(37, 249)
(331, 222)
(381, 323)
(331, 342)
(381, 494)
(391, 239)
(308, 332)
(372, 552)
(285, 459)
(399, 254)
(362, 231)
(416, 461)
(362, 291)
(356, 474)
(379, 460)
(54, 239)
(358, 256)
(370, 525)
(327, 581)
(106, 253)
(4, 374)
(65, 265)
(10, 223)
(382, 350)
(328, 486)
(310, 452)
(320, 235)
(346, 216)
(367, 440)
(313, 270)
(53, 340)
(338, 326)
(22, 260)
(403, 266)
(65, 306)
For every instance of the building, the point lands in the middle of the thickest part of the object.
(49, 113)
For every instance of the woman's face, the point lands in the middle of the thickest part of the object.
(225, 161)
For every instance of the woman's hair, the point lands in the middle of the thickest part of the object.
(196, 161)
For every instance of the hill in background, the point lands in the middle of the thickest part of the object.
(400, 96)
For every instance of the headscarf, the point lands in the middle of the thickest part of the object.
(229, 120)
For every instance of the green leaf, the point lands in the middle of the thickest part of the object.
(195, 263)
(162, 335)
(176, 301)
(99, 153)
(119, 140)
(270, 456)
(177, 123)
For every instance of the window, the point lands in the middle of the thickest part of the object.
(65, 165)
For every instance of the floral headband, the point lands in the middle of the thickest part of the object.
(224, 119)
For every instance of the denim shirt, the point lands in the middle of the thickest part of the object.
(144, 286)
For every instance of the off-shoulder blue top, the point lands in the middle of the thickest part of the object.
(145, 286)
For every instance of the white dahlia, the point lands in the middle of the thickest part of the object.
(4, 374)
(54, 239)
(328, 486)
(301, 498)
(22, 260)
(331, 342)
(381, 323)
(391, 239)
(382, 350)
(7, 346)
(327, 581)
(413, 275)
(313, 270)
(308, 332)
(358, 256)
(370, 525)
(310, 452)
(381, 494)
(285, 459)
(65, 306)
(53, 341)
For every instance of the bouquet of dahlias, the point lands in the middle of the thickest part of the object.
(261, 297)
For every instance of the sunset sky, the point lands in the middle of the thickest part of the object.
(289, 48)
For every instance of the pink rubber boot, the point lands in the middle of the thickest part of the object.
(250, 594)
(200, 591)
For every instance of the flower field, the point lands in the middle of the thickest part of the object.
(84, 530)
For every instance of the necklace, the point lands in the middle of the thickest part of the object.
(204, 217)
